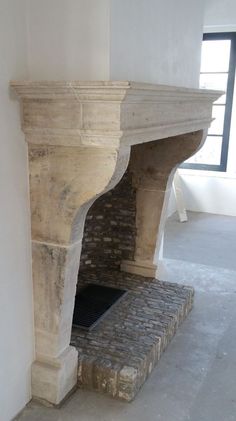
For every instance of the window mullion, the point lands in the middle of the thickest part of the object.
(229, 103)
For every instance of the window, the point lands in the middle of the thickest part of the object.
(217, 72)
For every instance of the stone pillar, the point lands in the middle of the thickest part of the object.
(64, 182)
(153, 165)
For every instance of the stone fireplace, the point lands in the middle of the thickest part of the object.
(102, 156)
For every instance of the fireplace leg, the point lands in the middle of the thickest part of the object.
(153, 167)
(64, 182)
(55, 269)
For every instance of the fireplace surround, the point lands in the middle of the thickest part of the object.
(79, 137)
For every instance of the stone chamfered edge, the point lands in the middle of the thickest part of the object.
(79, 136)
(106, 89)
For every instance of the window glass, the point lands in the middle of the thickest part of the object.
(217, 81)
(218, 64)
(217, 125)
(215, 56)
(210, 153)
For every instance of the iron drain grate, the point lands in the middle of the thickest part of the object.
(92, 302)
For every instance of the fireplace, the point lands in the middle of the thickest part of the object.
(110, 146)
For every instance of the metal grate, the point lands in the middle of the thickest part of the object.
(92, 302)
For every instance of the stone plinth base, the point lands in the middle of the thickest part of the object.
(139, 267)
(52, 381)
(118, 355)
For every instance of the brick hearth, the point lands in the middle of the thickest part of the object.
(118, 355)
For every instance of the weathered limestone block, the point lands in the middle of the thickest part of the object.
(53, 380)
(62, 180)
(54, 271)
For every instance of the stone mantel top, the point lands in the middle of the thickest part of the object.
(110, 113)
(105, 90)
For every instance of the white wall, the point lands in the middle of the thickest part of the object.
(156, 41)
(68, 39)
(211, 194)
(215, 192)
(16, 331)
(140, 40)
(220, 13)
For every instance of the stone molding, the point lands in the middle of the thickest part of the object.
(110, 113)
(79, 136)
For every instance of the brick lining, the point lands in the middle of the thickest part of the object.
(109, 233)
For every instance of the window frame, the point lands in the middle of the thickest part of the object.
(222, 167)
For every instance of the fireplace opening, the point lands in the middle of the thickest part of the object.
(118, 348)
(109, 238)
(92, 303)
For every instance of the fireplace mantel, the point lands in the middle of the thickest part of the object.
(79, 137)
(110, 113)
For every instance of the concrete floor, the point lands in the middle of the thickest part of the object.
(202, 240)
(196, 377)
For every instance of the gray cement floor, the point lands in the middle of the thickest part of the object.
(206, 239)
(196, 377)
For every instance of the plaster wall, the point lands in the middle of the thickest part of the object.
(68, 39)
(116, 39)
(16, 320)
(156, 41)
(220, 13)
(215, 192)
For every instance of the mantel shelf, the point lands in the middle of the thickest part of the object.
(110, 113)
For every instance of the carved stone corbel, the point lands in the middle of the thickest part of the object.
(153, 166)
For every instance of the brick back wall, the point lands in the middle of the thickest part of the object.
(109, 233)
